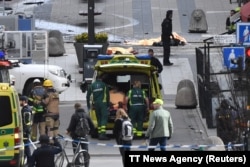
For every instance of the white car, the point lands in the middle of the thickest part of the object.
(24, 75)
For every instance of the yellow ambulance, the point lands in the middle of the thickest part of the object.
(11, 136)
(120, 71)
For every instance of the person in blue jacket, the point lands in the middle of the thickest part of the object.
(44, 155)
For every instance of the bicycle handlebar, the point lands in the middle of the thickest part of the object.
(61, 136)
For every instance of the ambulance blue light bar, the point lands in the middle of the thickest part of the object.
(104, 57)
(143, 57)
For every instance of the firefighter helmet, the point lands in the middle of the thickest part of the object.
(36, 81)
(48, 83)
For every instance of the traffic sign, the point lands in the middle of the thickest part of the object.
(243, 33)
(233, 53)
(224, 39)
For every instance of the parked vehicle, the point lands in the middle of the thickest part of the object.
(26, 73)
(11, 136)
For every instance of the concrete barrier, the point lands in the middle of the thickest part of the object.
(198, 21)
(186, 96)
(56, 43)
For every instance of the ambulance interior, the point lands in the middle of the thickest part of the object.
(119, 84)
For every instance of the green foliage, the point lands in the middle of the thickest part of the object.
(99, 37)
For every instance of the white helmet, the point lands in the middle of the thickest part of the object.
(36, 81)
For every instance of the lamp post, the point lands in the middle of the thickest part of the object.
(91, 25)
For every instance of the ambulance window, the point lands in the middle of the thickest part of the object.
(123, 78)
(4, 76)
(5, 112)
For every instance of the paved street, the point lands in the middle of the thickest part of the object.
(133, 20)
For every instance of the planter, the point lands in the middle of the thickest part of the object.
(80, 53)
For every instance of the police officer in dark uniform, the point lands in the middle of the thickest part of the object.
(166, 27)
(26, 117)
(154, 61)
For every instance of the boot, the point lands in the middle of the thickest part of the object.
(103, 137)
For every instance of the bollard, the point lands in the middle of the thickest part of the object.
(186, 97)
(198, 22)
(56, 43)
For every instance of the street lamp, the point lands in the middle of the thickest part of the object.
(91, 22)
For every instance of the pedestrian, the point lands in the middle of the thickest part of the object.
(121, 116)
(44, 155)
(160, 128)
(52, 114)
(166, 35)
(229, 25)
(155, 61)
(72, 126)
(100, 95)
(36, 101)
(27, 122)
(138, 103)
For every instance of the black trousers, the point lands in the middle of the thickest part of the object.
(166, 51)
(123, 149)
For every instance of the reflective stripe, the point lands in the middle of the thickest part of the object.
(103, 129)
(37, 109)
(99, 129)
(139, 133)
(137, 104)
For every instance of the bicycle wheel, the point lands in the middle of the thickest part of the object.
(59, 162)
(81, 159)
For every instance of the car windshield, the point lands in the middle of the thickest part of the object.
(62, 73)
(4, 76)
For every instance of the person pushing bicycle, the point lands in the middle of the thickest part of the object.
(72, 126)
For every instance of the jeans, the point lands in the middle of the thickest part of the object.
(27, 151)
(158, 140)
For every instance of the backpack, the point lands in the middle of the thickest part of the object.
(127, 130)
(82, 126)
(38, 94)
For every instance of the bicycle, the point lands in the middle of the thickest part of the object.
(80, 157)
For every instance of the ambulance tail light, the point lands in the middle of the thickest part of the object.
(13, 162)
(17, 137)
